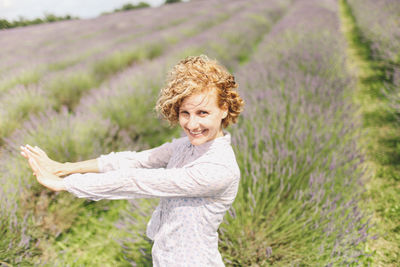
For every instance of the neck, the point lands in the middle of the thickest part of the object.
(220, 133)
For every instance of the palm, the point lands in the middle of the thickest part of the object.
(45, 169)
(46, 178)
(43, 160)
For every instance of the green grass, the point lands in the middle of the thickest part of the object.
(67, 90)
(92, 240)
(382, 143)
(61, 65)
(26, 77)
(121, 59)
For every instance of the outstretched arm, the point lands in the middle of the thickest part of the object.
(55, 167)
(200, 180)
(157, 157)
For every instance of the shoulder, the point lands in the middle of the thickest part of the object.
(227, 158)
(224, 157)
(178, 143)
(180, 140)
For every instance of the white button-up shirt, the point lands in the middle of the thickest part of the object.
(196, 185)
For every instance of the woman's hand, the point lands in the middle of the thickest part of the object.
(46, 178)
(41, 158)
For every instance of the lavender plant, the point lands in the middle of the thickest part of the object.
(372, 42)
(66, 139)
(379, 22)
(15, 241)
(378, 42)
(298, 202)
(19, 104)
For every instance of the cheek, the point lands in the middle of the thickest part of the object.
(215, 121)
(180, 120)
(183, 120)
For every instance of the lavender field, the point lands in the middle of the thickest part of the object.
(83, 88)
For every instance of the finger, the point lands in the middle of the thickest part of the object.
(30, 154)
(24, 155)
(38, 169)
(33, 165)
(37, 162)
(36, 154)
(25, 152)
(40, 151)
(32, 149)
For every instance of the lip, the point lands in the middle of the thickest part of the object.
(197, 135)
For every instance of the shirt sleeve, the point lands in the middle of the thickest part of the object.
(200, 180)
(157, 157)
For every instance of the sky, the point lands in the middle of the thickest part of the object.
(30, 9)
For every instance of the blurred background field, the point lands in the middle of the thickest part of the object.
(318, 143)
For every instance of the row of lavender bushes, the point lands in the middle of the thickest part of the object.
(302, 173)
(93, 130)
(378, 24)
(65, 87)
(374, 34)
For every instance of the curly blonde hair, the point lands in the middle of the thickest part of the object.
(196, 74)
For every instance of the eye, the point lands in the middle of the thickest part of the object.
(202, 112)
(183, 113)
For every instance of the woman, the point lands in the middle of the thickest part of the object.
(196, 176)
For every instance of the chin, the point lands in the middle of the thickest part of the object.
(198, 140)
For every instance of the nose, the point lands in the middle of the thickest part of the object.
(193, 123)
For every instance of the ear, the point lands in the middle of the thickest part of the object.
(224, 114)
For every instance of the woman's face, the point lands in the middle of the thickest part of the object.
(200, 117)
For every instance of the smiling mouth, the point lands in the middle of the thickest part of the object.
(197, 133)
